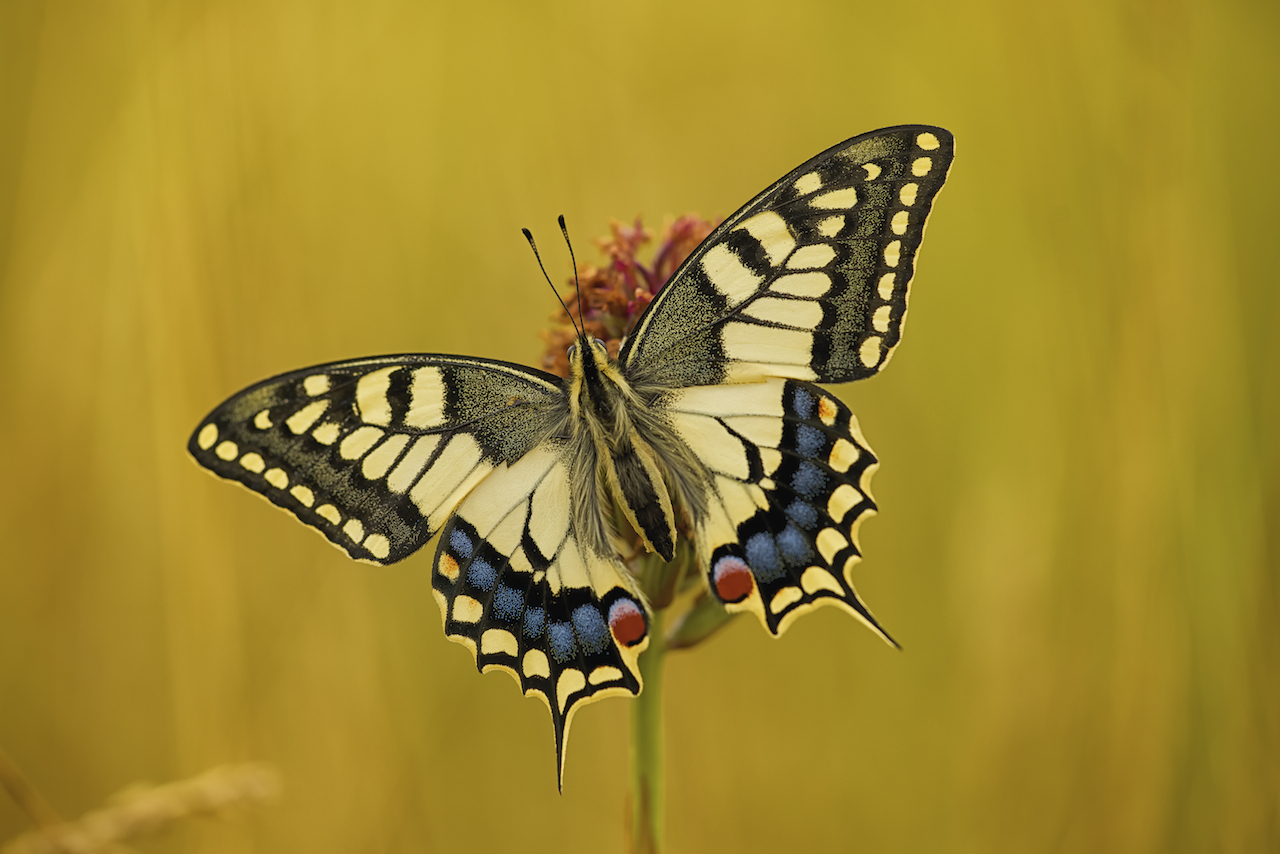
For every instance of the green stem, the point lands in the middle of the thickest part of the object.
(645, 818)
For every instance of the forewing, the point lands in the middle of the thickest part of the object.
(809, 280)
(517, 587)
(375, 454)
(790, 485)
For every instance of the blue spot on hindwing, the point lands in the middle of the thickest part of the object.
(809, 480)
(809, 441)
(593, 635)
(460, 543)
(763, 557)
(802, 402)
(535, 620)
(794, 546)
(563, 646)
(481, 574)
(507, 603)
(803, 514)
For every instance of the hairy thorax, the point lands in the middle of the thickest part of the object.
(624, 454)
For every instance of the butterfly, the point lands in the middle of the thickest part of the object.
(709, 420)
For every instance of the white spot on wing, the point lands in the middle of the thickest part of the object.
(772, 232)
(784, 598)
(808, 257)
(907, 195)
(466, 610)
(842, 500)
(408, 469)
(869, 352)
(378, 546)
(729, 275)
(359, 442)
(807, 183)
(329, 513)
(315, 384)
(263, 420)
(304, 495)
(843, 455)
(571, 681)
(327, 433)
(371, 397)
(499, 642)
(899, 222)
(277, 478)
(880, 320)
(831, 226)
(603, 674)
(927, 141)
(816, 578)
(829, 542)
(873, 171)
(301, 421)
(800, 313)
(253, 462)
(378, 463)
(535, 664)
(748, 342)
(227, 451)
(886, 286)
(802, 284)
(354, 529)
(836, 199)
(892, 252)
(426, 399)
(208, 435)
(921, 166)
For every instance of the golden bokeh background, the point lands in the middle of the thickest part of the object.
(1080, 487)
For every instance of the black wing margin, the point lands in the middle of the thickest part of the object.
(376, 453)
(808, 280)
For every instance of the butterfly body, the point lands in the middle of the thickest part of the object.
(708, 424)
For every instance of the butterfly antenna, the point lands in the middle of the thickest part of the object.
(577, 286)
(528, 235)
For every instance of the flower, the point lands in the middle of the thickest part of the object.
(612, 298)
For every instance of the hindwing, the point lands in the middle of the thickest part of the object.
(809, 279)
(518, 587)
(791, 480)
(375, 454)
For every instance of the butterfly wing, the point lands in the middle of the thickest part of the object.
(380, 454)
(808, 280)
(790, 478)
(375, 454)
(520, 590)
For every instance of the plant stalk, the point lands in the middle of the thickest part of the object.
(645, 806)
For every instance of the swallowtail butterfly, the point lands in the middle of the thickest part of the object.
(709, 415)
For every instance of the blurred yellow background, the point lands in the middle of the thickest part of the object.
(1080, 482)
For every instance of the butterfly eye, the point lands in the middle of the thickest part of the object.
(600, 342)
(573, 348)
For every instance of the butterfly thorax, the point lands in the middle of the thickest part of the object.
(603, 421)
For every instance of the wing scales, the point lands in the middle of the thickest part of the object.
(788, 496)
(809, 280)
(376, 453)
(517, 588)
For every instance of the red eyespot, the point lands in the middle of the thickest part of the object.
(733, 579)
(626, 621)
